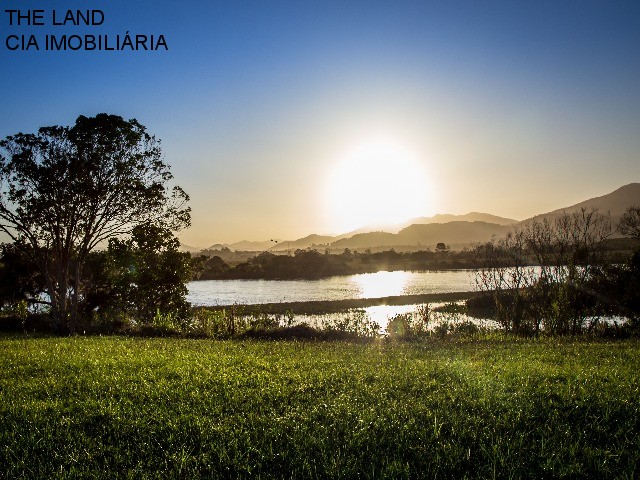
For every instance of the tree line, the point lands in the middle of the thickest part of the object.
(311, 263)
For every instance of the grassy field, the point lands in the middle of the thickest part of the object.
(115, 407)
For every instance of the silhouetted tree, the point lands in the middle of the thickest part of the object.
(20, 279)
(207, 268)
(630, 222)
(441, 247)
(618, 286)
(568, 252)
(65, 190)
(149, 274)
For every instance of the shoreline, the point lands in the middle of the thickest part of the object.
(316, 307)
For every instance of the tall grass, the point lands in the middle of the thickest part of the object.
(118, 407)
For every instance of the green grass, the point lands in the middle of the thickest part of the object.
(115, 407)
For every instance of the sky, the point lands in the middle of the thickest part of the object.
(282, 119)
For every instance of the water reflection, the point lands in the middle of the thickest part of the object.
(366, 285)
(381, 284)
(381, 314)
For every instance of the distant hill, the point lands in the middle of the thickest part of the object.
(457, 231)
(438, 218)
(454, 234)
(188, 248)
(312, 240)
(390, 228)
(248, 246)
(216, 246)
(614, 203)
(366, 240)
(468, 217)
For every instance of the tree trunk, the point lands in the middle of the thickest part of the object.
(76, 294)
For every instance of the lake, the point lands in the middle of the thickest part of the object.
(366, 285)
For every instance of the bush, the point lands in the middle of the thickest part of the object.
(539, 276)
(411, 325)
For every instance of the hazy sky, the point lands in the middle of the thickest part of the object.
(282, 119)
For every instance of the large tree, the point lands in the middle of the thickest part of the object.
(66, 190)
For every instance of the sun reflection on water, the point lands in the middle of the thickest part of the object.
(381, 284)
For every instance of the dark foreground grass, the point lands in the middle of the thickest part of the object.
(168, 408)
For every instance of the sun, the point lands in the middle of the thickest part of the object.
(376, 184)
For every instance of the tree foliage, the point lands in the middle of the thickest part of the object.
(619, 288)
(20, 280)
(302, 264)
(66, 190)
(630, 222)
(148, 274)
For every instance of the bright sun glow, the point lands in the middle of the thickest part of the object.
(381, 284)
(376, 184)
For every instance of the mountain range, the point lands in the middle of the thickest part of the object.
(457, 231)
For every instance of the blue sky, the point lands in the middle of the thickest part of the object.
(513, 108)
